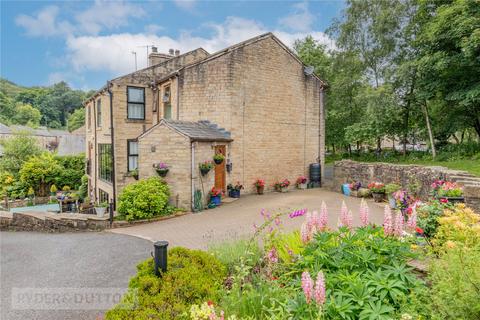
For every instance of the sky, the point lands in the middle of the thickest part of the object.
(86, 43)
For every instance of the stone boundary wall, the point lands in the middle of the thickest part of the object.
(65, 222)
(346, 171)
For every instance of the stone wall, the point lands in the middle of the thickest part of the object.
(346, 171)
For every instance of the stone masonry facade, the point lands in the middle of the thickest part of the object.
(347, 171)
(256, 90)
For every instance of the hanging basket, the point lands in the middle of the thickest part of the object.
(204, 171)
(162, 172)
(218, 161)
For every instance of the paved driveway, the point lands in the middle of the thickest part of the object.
(67, 260)
(235, 220)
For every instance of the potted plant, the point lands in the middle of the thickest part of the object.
(161, 168)
(354, 187)
(448, 191)
(218, 158)
(302, 182)
(234, 190)
(100, 208)
(378, 191)
(390, 189)
(215, 196)
(282, 186)
(260, 185)
(134, 173)
(205, 167)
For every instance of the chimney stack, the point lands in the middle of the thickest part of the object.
(171, 51)
(177, 52)
(154, 49)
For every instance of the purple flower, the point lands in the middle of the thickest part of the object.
(297, 213)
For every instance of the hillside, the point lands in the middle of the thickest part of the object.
(9, 88)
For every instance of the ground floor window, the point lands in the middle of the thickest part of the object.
(132, 150)
(105, 161)
(102, 196)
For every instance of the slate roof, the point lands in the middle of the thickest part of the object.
(202, 130)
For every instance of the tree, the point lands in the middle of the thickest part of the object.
(25, 114)
(17, 150)
(448, 50)
(7, 108)
(76, 119)
(40, 172)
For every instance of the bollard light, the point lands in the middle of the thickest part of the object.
(160, 256)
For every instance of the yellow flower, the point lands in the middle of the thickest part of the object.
(450, 244)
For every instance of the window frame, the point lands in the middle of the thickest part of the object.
(128, 154)
(101, 161)
(103, 195)
(136, 103)
(98, 107)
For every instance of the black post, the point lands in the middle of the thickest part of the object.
(160, 256)
(110, 211)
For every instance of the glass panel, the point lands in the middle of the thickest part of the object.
(136, 95)
(136, 111)
(132, 163)
(105, 162)
(167, 111)
(133, 147)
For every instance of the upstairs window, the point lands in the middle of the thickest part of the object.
(136, 103)
(132, 151)
(99, 112)
(167, 105)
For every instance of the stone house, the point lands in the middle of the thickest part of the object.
(255, 102)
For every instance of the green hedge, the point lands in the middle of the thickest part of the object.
(192, 277)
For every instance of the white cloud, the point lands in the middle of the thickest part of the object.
(153, 28)
(113, 52)
(107, 15)
(300, 20)
(185, 4)
(44, 23)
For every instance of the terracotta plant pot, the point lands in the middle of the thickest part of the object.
(260, 190)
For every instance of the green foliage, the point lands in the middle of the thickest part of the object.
(83, 190)
(25, 114)
(192, 277)
(289, 246)
(73, 168)
(40, 172)
(144, 199)
(428, 215)
(76, 119)
(17, 150)
(232, 253)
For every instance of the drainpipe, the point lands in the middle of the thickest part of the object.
(109, 89)
(178, 96)
(321, 132)
(95, 172)
(191, 173)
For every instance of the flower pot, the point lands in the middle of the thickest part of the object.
(354, 193)
(234, 193)
(452, 199)
(216, 200)
(204, 171)
(378, 197)
(260, 189)
(218, 161)
(283, 190)
(100, 211)
(392, 202)
(346, 189)
(302, 186)
(162, 172)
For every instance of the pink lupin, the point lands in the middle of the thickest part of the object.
(346, 218)
(304, 232)
(387, 221)
(319, 292)
(364, 213)
(398, 226)
(307, 286)
(323, 218)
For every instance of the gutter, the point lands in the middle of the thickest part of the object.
(109, 89)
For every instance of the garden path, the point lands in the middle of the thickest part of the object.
(235, 220)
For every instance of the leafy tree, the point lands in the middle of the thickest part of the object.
(76, 119)
(17, 150)
(25, 114)
(40, 172)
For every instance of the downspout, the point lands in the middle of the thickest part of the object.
(178, 96)
(321, 132)
(109, 89)
(95, 173)
(191, 174)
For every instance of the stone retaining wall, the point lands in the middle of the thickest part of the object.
(346, 171)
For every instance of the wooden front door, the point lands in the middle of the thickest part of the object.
(220, 169)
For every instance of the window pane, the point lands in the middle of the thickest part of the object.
(135, 111)
(167, 111)
(135, 95)
(105, 161)
(133, 147)
(132, 163)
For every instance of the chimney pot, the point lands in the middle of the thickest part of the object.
(177, 52)
(154, 49)
(171, 51)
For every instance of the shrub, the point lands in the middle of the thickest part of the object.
(73, 169)
(428, 215)
(231, 253)
(83, 190)
(192, 277)
(144, 199)
(40, 172)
